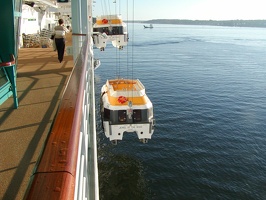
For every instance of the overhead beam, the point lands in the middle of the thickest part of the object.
(48, 3)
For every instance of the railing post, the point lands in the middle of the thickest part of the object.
(79, 9)
(10, 13)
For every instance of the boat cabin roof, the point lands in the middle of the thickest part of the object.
(108, 20)
(120, 87)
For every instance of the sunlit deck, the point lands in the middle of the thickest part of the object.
(40, 83)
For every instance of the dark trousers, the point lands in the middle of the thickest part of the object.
(60, 46)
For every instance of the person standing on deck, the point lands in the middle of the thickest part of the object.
(60, 35)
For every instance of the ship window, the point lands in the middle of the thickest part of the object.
(106, 114)
(122, 115)
(137, 115)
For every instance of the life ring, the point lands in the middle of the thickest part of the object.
(122, 99)
(105, 21)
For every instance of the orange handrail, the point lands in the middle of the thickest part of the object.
(55, 174)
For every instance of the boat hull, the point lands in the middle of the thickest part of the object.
(110, 28)
(132, 115)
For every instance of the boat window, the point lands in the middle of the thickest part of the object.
(117, 30)
(98, 30)
(105, 30)
(122, 115)
(137, 115)
(101, 30)
(106, 114)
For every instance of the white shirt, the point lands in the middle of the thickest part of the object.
(60, 31)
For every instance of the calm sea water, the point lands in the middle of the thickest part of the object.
(208, 88)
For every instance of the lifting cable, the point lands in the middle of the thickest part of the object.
(117, 52)
(132, 48)
(127, 44)
(104, 7)
(130, 83)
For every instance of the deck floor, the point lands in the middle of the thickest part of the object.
(40, 83)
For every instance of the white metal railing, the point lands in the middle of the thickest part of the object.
(76, 132)
(87, 168)
(71, 147)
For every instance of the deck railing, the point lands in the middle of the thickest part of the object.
(67, 168)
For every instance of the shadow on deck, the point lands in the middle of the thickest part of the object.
(40, 83)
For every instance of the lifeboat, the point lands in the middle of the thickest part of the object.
(125, 108)
(110, 28)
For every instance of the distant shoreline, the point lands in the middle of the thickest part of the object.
(234, 23)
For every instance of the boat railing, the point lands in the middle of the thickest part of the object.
(67, 167)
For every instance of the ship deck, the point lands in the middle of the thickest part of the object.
(41, 80)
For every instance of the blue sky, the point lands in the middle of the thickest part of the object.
(183, 9)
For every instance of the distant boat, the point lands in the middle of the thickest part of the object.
(150, 26)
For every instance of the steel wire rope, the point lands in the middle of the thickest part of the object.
(104, 7)
(132, 46)
(108, 15)
(127, 76)
(117, 63)
(130, 83)
(127, 48)
(109, 7)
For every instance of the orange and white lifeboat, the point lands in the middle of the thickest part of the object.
(125, 108)
(110, 28)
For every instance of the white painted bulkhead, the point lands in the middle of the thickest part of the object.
(34, 19)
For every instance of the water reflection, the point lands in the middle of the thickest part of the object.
(121, 176)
